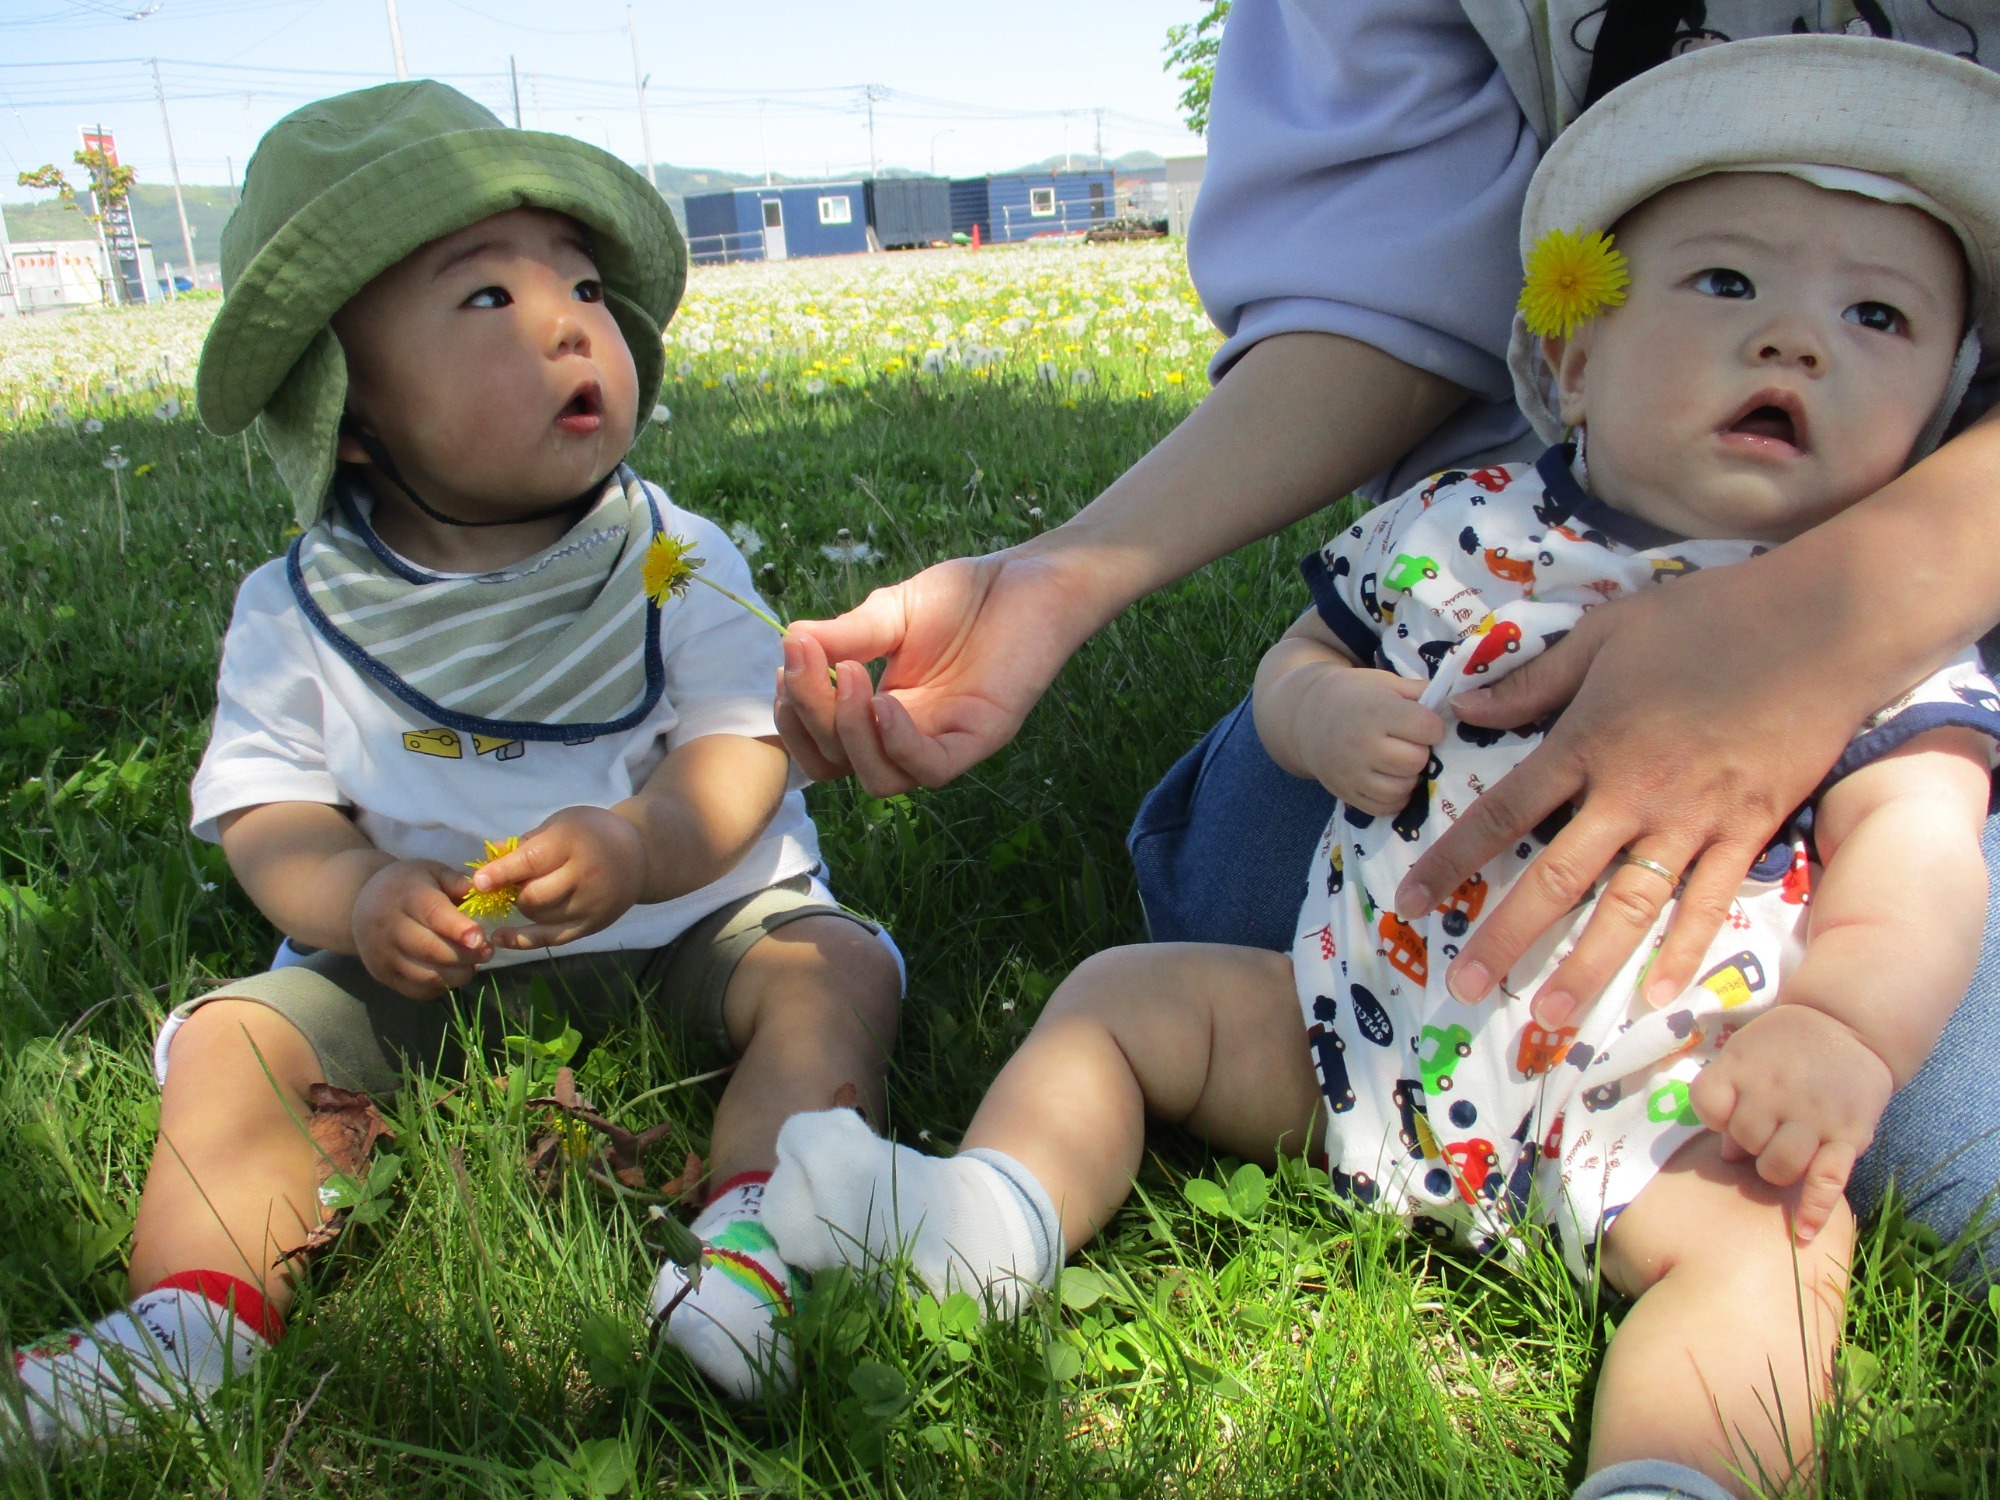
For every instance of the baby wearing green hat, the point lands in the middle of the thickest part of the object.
(445, 330)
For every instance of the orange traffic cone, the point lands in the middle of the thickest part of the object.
(975, 234)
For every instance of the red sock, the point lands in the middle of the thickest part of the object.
(252, 1309)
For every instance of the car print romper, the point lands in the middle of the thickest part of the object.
(1472, 1121)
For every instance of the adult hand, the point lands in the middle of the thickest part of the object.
(409, 932)
(1702, 712)
(972, 644)
(578, 872)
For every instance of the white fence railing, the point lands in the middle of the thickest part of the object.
(1065, 216)
(726, 249)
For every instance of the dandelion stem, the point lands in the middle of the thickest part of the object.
(735, 598)
(118, 495)
(832, 675)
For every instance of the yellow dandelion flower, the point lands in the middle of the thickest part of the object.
(496, 905)
(1572, 277)
(669, 567)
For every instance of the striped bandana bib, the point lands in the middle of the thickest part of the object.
(562, 646)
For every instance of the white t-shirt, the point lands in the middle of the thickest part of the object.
(294, 722)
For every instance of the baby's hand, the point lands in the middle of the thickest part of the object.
(1802, 1093)
(1366, 737)
(578, 872)
(409, 932)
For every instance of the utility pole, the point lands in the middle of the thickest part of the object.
(1100, 136)
(396, 40)
(764, 143)
(1065, 118)
(173, 165)
(869, 95)
(639, 85)
(535, 93)
(229, 162)
(516, 77)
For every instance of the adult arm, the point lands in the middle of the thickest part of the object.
(1355, 243)
(1701, 713)
(974, 642)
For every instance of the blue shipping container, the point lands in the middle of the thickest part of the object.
(1020, 206)
(777, 223)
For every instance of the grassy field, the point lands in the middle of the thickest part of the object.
(478, 1334)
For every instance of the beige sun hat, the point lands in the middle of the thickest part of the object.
(1856, 114)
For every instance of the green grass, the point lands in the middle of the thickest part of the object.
(484, 1337)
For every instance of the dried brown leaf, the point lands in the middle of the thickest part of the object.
(345, 1126)
(692, 1173)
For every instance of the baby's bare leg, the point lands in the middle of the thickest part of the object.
(1724, 1360)
(1194, 1034)
(234, 1179)
(810, 1008)
(1200, 1035)
(232, 1187)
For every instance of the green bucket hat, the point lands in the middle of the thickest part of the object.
(340, 191)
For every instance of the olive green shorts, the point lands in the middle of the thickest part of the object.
(367, 1036)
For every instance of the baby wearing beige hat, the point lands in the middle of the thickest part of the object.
(1758, 277)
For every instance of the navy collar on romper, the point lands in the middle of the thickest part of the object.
(1578, 504)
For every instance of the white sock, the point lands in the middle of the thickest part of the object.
(977, 1222)
(171, 1347)
(1650, 1479)
(725, 1325)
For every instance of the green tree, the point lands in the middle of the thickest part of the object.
(1191, 50)
(114, 184)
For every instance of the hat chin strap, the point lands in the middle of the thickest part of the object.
(1963, 367)
(379, 457)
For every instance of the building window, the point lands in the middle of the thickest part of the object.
(1042, 202)
(836, 210)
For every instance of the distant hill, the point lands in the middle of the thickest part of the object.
(1085, 161)
(152, 214)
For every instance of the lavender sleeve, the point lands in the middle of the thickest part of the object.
(1367, 163)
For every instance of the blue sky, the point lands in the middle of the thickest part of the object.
(981, 85)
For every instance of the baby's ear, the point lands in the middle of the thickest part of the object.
(1566, 358)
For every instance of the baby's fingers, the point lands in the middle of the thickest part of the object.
(1379, 795)
(1785, 1156)
(440, 932)
(1819, 1195)
(539, 854)
(540, 935)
